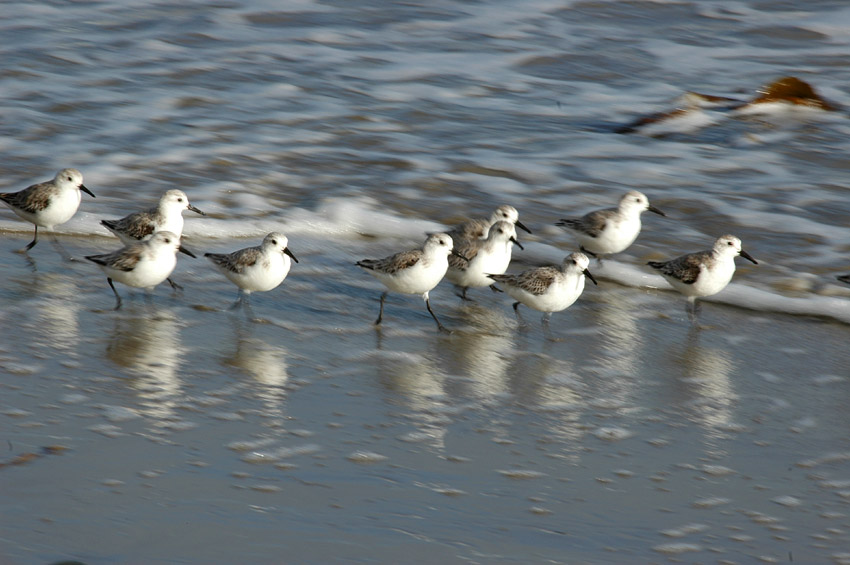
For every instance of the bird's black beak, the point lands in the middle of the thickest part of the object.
(521, 226)
(288, 252)
(456, 254)
(87, 191)
(182, 249)
(588, 275)
(748, 257)
(656, 210)
(196, 210)
(518, 243)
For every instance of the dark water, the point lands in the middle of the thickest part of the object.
(176, 431)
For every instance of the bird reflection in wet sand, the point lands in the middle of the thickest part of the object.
(413, 380)
(146, 344)
(481, 354)
(553, 386)
(57, 310)
(265, 364)
(706, 387)
(618, 345)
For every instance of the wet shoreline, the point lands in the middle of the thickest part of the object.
(631, 439)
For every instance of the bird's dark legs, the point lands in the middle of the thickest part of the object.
(117, 296)
(428, 305)
(32, 243)
(495, 288)
(519, 319)
(174, 285)
(381, 311)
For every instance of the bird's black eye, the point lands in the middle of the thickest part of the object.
(69, 178)
(274, 242)
(179, 200)
(729, 243)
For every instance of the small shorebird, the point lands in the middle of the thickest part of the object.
(413, 272)
(48, 204)
(490, 256)
(611, 230)
(143, 264)
(703, 273)
(165, 216)
(256, 269)
(548, 289)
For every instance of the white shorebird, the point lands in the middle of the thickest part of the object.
(413, 272)
(611, 230)
(482, 257)
(256, 269)
(548, 289)
(703, 273)
(165, 216)
(477, 228)
(48, 204)
(143, 264)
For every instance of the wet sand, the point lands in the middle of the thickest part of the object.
(178, 431)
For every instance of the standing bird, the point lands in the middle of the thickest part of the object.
(491, 255)
(703, 273)
(143, 264)
(166, 216)
(548, 289)
(611, 230)
(48, 204)
(413, 272)
(477, 228)
(256, 269)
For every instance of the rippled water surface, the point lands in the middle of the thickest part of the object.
(176, 431)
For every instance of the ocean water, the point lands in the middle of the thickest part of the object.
(190, 434)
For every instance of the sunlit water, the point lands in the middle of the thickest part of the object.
(188, 434)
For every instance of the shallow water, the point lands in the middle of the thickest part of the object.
(186, 433)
